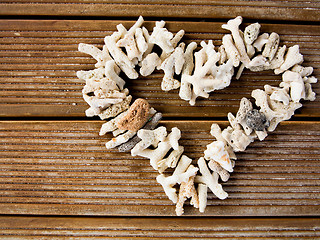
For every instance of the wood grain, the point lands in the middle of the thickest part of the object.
(158, 228)
(63, 168)
(39, 60)
(298, 10)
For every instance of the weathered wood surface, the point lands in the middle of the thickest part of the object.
(158, 228)
(39, 60)
(63, 168)
(298, 10)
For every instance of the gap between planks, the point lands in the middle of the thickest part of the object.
(39, 79)
(20, 227)
(62, 167)
(267, 10)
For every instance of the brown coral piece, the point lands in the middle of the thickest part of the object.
(136, 116)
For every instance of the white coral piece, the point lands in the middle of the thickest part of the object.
(185, 92)
(149, 138)
(162, 37)
(297, 89)
(233, 26)
(102, 56)
(149, 63)
(202, 195)
(182, 173)
(231, 50)
(251, 33)
(278, 94)
(132, 40)
(210, 179)
(237, 138)
(174, 42)
(275, 111)
(113, 110)
(292, 58)
(156, 155)
(206, 77)
(271, 46)
(217, 133)
(261, 41)
(172, 65)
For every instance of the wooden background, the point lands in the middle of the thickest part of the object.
(57, 179)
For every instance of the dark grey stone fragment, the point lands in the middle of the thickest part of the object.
(256, 120)
(150, 125)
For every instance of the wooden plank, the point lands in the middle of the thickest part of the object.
(62, 168)
(39, 59)
(158, 228)
(298, 10)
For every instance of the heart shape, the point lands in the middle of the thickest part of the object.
(134, 127)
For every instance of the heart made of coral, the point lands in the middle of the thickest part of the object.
(199, 73)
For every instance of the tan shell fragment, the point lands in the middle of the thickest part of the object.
(216, 151)
(187, 190)
(136, 116)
